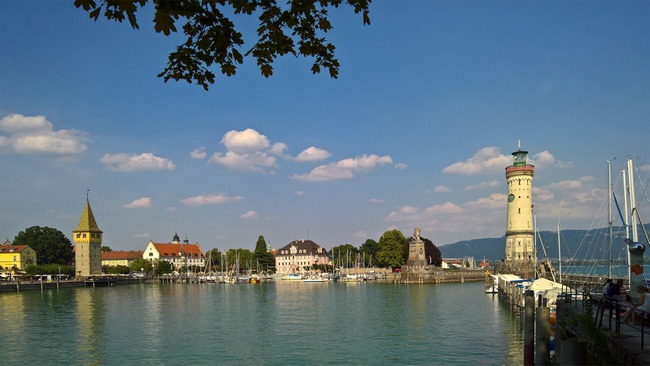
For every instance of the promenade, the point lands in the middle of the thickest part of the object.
(607, 338)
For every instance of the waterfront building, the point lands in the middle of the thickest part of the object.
(87, 244)
(14, 258)
(121, 257)
(299, 256)
(189, 256)
(520, 248)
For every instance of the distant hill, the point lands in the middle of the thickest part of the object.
(578, 244)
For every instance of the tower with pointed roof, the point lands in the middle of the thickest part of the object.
(88, 241)
(520, 248)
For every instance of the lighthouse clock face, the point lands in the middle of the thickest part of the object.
(511, 197)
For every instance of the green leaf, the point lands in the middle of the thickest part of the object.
(267, 70)
(163, 23)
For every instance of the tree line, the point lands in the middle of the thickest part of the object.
(54, 250)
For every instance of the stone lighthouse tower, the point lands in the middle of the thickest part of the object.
(520, 248)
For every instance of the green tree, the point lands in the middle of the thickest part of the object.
(262, 256)
(141, 265)
(389, 253)
(51, 246)
(369, 250)
(163, 267)
(119, 269)
(106, 249)
(344, 256)
(33, 269)
(214, 257)
(242, 258)
(213, 43)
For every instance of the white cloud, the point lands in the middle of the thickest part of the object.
(442, 189)
(199, 153)
(645, 168)
(344, 169)
(36, 135)
(401, 166)
(278, 148)
(170, 208)
(546, 159)
(484, 185)
(300, 193)
(376, 200)
(486, 160)
(312, 154)
(360, 234)
(444, 209)
(139, 203)
(494, 201)
(123, 162)
(210, 199)
(249, 215)
(141, 235)
(253, 162)
(247, 150)
(245, 142)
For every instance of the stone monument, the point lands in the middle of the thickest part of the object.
(417, 260)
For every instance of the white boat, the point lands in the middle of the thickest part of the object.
(315, 279)
(492, 284)
(292, 277)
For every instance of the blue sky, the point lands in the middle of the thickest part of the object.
(431, 100)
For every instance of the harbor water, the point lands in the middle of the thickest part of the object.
(273, 323)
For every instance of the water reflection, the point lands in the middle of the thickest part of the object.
(90, 325)
(12, 324)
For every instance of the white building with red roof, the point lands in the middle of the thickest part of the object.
(121, 257)
(179, 254)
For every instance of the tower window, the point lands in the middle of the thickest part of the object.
(519, 210)
(78, 235)
(84, 235)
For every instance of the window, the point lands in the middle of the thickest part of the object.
(78, 235)
(84, 235)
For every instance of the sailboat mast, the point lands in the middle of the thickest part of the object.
(609, 194)
(635, 231)
(559, 251)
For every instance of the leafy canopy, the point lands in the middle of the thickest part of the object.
(51, 246)
(298, 28)
(390, 247)
(262, 257)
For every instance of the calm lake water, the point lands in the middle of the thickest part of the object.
(269, 324)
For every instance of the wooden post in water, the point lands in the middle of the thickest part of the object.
(542, 336)
(529, 328)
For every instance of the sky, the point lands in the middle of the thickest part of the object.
(431, 100)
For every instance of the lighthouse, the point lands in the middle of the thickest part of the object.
(520, 248)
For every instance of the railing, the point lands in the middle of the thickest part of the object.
(615, 307)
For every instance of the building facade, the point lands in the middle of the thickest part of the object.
(299, 256)
(87, 244)
(180, 255)
(520, 248)
(14, 258)
(121, 257)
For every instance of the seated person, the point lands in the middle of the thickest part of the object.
(642, 307)
(606, 286)
(614, 290)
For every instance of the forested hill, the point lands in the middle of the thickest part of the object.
(578, 244)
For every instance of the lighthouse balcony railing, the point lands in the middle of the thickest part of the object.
(514, 168)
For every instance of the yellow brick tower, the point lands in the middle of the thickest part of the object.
(520, 248)
(88, 241)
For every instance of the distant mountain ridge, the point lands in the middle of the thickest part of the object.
(578, 244)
